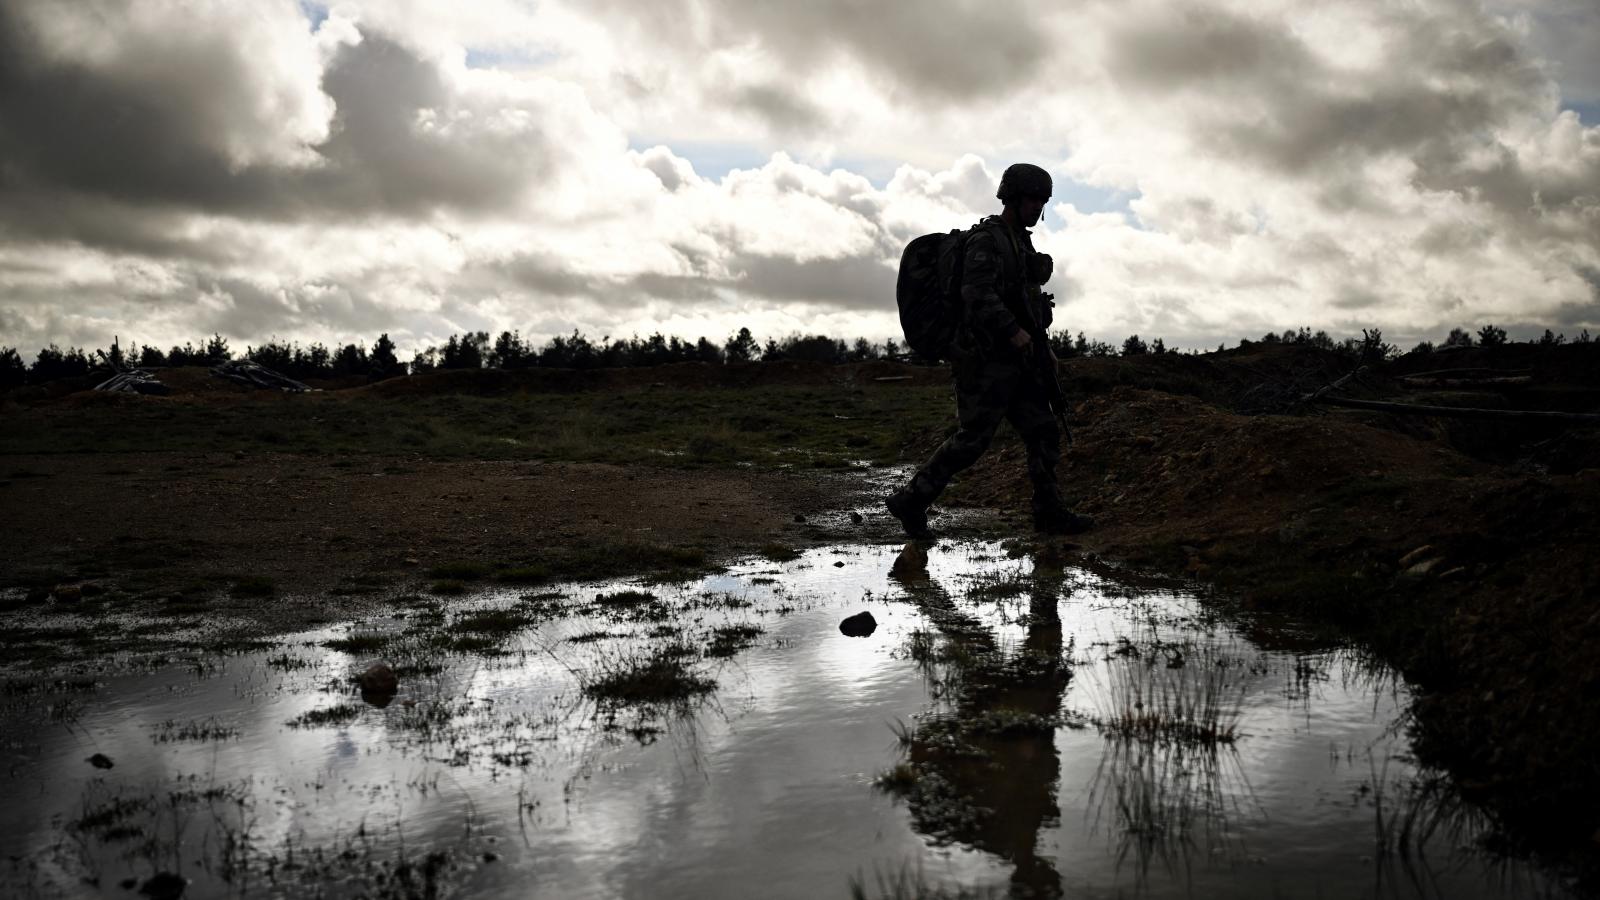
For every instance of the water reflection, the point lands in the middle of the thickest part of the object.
(1057, 747)
(983, 768)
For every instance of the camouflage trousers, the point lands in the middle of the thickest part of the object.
(988, 391)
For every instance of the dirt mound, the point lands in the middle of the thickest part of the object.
(1478, 579)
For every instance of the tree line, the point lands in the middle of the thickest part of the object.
(509, 350)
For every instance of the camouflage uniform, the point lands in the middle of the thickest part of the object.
(993, 378)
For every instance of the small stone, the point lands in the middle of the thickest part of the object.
(67, 593)
(862, 624)
(1423, 568)
(378, 681)
(100, 761)
(91, 589)
(855, 518)
(838, 564)
(799, 519)
(1413, 556)
(412, 561)
(490, 856)
(164, 886)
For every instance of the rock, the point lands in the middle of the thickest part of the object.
(91, 589)
(838, 564)
(164, 886)
(911, 563)
(1423, 568)
(100, 761)
(799, 519)
(862, 624)
(855, 518)
(378, 684)
(67, 593)
(1413, 556)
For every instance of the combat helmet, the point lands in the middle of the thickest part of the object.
(1024, 180)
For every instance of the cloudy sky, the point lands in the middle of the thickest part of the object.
(310, 171)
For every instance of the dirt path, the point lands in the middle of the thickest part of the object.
(153, 523)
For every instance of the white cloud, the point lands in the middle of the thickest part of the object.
(1290, 163)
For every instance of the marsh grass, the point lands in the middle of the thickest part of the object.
(338, 714)
(661, 677)
(1408, 813)
(503, 622)
(210, 729)
(361, 643)
(1168, 802)
(729, 640)
(1147, 698)
(778, 552)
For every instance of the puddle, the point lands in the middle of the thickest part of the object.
(1003, 732)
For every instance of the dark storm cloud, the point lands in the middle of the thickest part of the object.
(1205, 49)
(939, 50)
(1448, 83)
(97, 156)
(782, 109)
(855, 283)
(546, 276)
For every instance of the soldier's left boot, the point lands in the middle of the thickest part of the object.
(1051, 515)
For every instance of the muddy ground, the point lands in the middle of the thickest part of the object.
(1459, 550)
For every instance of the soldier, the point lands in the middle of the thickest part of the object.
(993, 361)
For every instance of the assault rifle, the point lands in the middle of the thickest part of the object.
(1043, 368)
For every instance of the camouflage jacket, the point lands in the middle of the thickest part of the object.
(992, 272)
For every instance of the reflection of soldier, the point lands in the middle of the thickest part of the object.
(993, 365)
(1005, 709)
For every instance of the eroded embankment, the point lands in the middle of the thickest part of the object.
(1477, 580)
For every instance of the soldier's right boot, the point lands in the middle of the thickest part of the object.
(910, 506)
(1052, 516)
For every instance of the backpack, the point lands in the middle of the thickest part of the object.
(928, 292)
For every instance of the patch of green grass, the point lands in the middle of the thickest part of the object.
(763, 425)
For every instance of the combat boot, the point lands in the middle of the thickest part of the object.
(1051, 516)
(911, 510)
